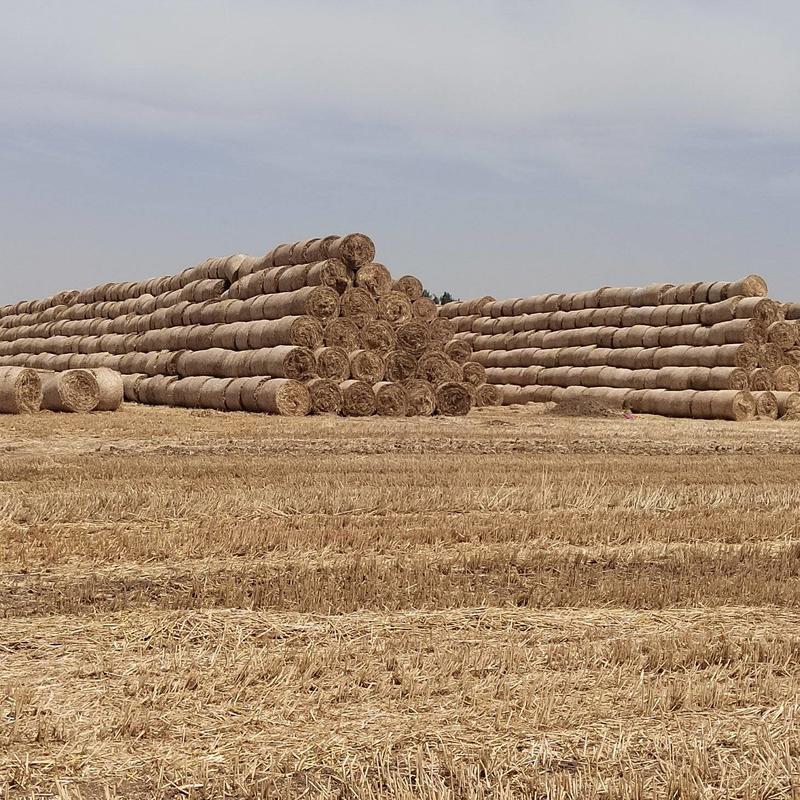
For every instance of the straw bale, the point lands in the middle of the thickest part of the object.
(294, 278)
(367, 366)
(157, 391)
(714, 313)
(437, 368)
(793, 356)
(358, 399)
(186, 391)
(458, 350)
(414, 337)
(474, 373)
(421, 397)
(112, 391)
(355, 250)
(783, 334)
(227, 335)
(751, 331)
(728, 405)
(358, 301)
(202, 290)
(487, 395)
(400, 366)
(394, 307)
(762, 380)
(212, 393)
(199, 337)
(379, 335)
(453, 399)
(391, 399)
(424, 309)
(342, 332)
(332, 273)
(441, 331)
(319, 302)
(332, 362)
(74, 390)
(770, 356)
(761, 308)
(284, 361)
(749, 286)
(133, 384)
(233, 393)
(375, 279)
(20, 390)
(410, 286)
(208, 363)
(788, 404)
(787, 378)
(766, 405)
(326, 396)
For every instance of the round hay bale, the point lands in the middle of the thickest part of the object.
(332, 362)
(375, 279)
(762, 380)
(766, 405)
(770, 356)
(355, 250)
(437, 368)
(390, 399)
(287, 398)
(133, 384)
(367, 366)
(211, 363)
(233, 394)
(73, 391)
(317, 249)
(424, 309)
(226, 335)
(284, 361)
(212, 393)
(714, 313)
(474, 373)
(793, 356)
(112, 390)
(788, 405)
(157, 391)
(319, 302)
(186, 391)
(749, 286)
(199, 337)
(293, 278)
(326, 396)
(358, 302)
(453, 399)
(441, 331)
(409, 286)
(730, 405)
(761, 308)
(421, 397)
(394, 307)
(738, 331)
(300, 331)
(400, 366)
(726, 378)
(20, 391)
(458, 350)
(378, 335)
(787, 378)
(358, 399)
(342, 332)
(783, 334)
(332, 273)
(487, 395)
(413, 337)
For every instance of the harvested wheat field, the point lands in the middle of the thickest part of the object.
(515, 603)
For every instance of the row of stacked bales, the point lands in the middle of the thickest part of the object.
(316, 325)
(719, 350)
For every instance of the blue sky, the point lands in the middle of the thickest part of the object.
(504, 148)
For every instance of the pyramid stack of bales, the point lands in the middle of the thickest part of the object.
(316, 325)
(704, 350)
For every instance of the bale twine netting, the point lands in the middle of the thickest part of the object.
(20, 390)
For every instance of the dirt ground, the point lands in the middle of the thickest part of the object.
(512, 604)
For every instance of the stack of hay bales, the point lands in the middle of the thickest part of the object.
(316, 325)
(705, 350)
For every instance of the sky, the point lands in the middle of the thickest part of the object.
(507, 148)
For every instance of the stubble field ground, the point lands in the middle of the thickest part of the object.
(514, 604)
